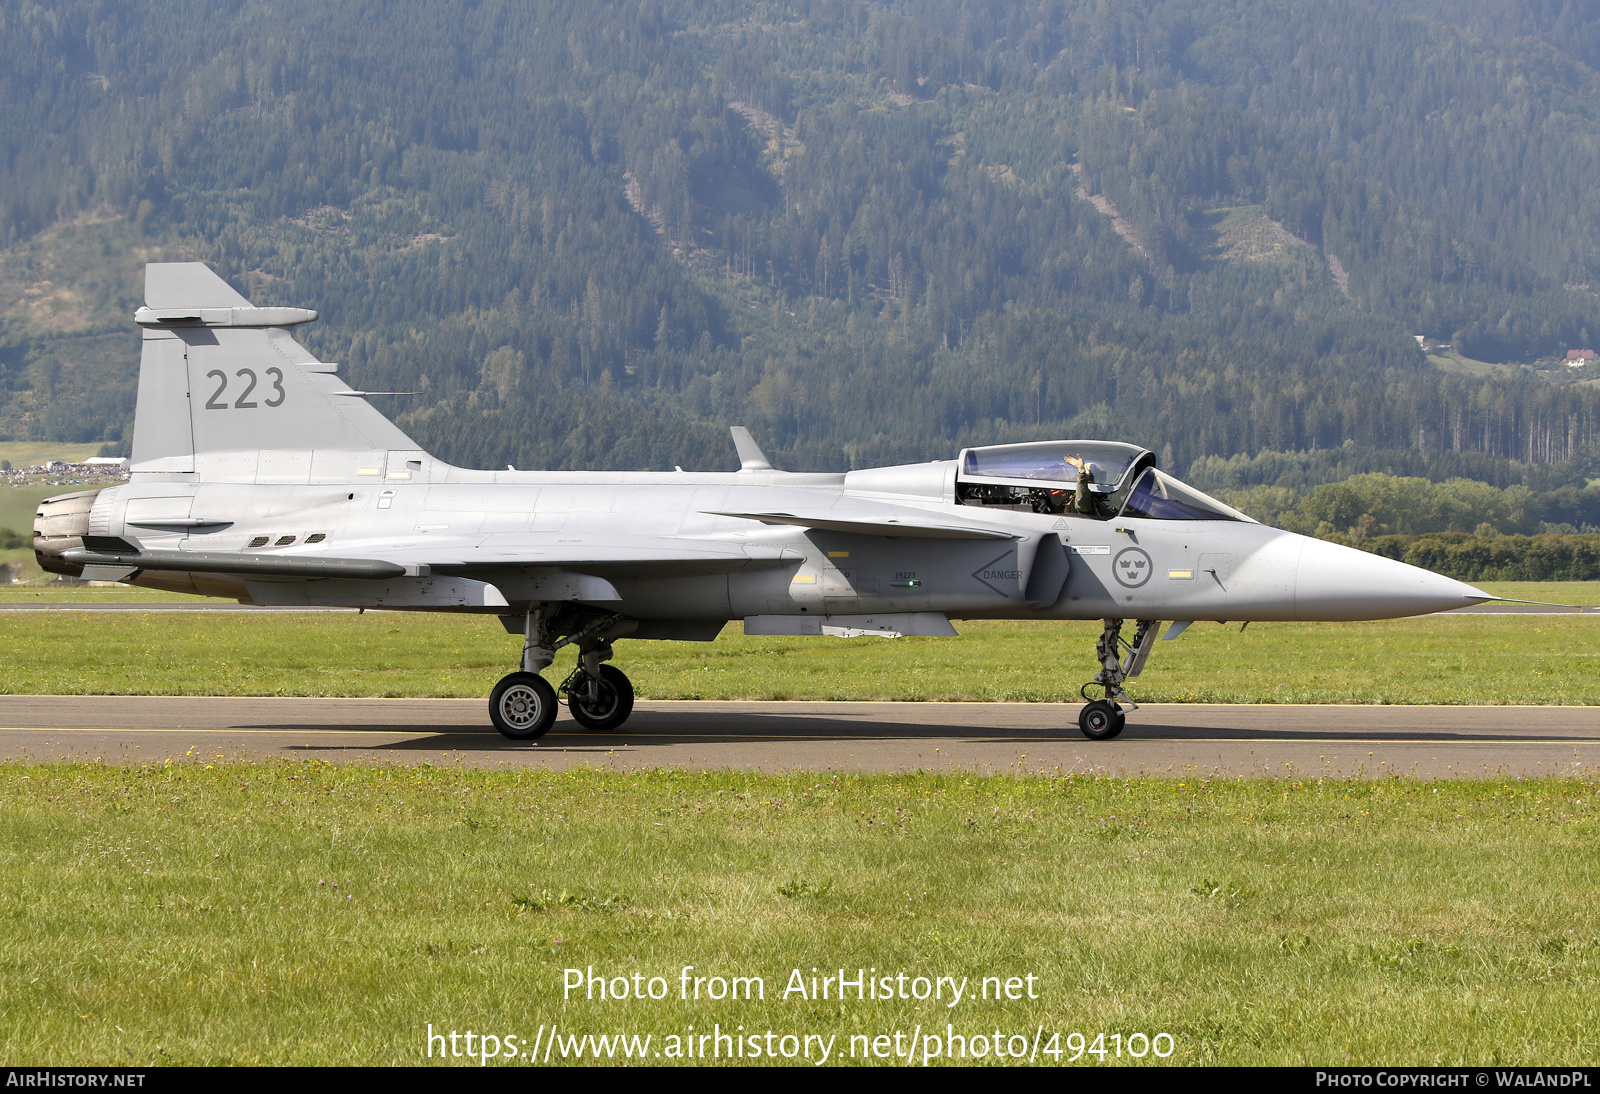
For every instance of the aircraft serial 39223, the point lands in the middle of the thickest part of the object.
(258, 475)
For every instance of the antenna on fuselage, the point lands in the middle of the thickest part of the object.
(751, 458)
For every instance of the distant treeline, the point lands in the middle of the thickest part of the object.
(1459, 527)
(1305, 469)
(1494, 558)
(1377, 504)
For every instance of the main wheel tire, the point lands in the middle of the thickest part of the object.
(1101, 720)
(609, 707)
(522, 706)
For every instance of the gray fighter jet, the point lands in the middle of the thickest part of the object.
(258, 475)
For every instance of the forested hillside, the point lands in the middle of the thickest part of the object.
(593, 235)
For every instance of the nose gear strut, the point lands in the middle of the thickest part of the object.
(1103, 719)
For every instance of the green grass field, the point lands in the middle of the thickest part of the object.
(1466, 659)
(306, 913)
(92, 594)
(38, 453)
(1586, 593)
(317, 914)
(1450, 361)
(17, 505)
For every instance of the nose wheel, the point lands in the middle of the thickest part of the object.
(1103, 719)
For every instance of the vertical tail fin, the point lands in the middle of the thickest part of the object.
(226, 395)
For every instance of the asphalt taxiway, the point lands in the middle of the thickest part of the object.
(1165, 739)
(1508, 607)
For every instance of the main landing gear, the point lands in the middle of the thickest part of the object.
(523, 704)
(599, 698)
(1103, 719)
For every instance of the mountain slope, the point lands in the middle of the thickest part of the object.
(591, 235)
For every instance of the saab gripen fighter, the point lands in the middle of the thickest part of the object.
(258, 475)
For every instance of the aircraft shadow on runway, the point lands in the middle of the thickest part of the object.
(646, 729)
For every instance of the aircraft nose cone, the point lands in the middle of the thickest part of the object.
(1333, 582)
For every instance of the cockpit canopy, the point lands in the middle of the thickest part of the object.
(1156, 495)
(1042, 477)
(1111, 462)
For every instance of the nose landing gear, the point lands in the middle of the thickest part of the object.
(1103, 719)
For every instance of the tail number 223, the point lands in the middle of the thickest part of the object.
(244, 402)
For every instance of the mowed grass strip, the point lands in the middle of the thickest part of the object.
(305, 913)
(1439, 659)
(59, 594)
(1581, 593)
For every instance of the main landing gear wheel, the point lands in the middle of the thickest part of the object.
(1101, 721)
(602, 703)
(523, 706)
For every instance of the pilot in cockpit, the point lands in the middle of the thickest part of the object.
(1086, 502)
